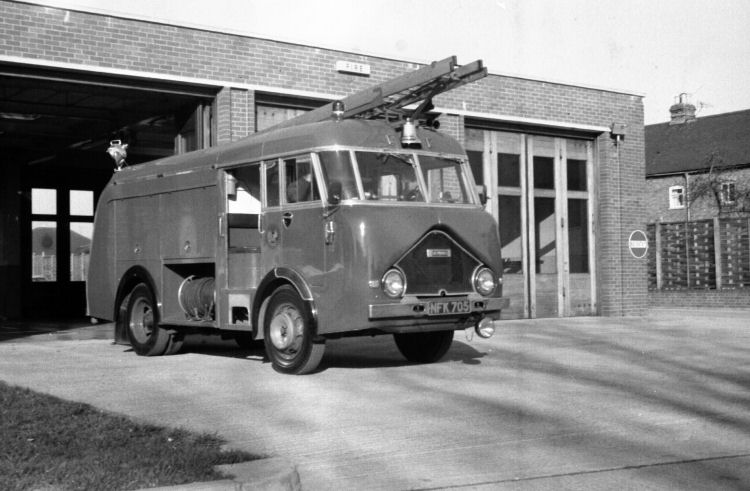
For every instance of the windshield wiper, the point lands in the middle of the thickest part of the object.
(399, 156)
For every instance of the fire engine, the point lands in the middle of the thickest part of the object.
(357, 218)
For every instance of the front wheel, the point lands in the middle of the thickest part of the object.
(424, 347)
(287, 329)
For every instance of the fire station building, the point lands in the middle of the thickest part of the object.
(563, 164)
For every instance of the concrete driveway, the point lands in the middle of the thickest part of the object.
(659, 402)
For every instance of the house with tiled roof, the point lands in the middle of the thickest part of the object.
(698, 168)
(698, 209)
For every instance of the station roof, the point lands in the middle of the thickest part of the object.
(689, 146)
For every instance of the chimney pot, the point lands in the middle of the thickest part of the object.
(682, 112)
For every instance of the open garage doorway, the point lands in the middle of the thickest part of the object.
(55, 127)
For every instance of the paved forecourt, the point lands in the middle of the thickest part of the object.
(657, 401)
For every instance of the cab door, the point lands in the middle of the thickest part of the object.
(293, 225)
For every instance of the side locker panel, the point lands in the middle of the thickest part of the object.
(137, 236)
(190, 224)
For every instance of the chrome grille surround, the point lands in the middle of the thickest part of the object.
(438, 265)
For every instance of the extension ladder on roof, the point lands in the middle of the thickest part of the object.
(389, 99)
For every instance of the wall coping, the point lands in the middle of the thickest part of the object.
(218, 84)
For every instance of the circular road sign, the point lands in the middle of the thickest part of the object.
(638, 244)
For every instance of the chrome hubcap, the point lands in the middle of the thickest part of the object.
(286, 328)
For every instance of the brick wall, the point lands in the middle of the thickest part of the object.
(67, 36)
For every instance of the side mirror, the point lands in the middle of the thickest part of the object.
(482, 192)
(334, 193)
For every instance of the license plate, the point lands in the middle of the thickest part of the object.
(449, 307)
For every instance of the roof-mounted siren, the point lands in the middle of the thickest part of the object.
(119, 152)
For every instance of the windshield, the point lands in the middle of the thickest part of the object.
(388, 177)
(391, 176)
(445, 180)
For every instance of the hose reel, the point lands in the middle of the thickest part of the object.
(197, 298)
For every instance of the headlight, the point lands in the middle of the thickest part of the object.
(484, 281)
(394, 283)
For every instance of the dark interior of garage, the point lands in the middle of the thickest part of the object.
(55, 128)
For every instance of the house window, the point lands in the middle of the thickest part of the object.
(676, 197)
(728, 194)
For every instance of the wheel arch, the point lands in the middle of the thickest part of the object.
(273, 280)
(128, 281)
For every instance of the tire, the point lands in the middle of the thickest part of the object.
(287, 329)
(424, 347)
(142, 323)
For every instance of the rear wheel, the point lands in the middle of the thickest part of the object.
(287, 329)
(424, 347)
(142, 323)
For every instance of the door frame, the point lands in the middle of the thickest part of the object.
(561, 194)
(62, 297)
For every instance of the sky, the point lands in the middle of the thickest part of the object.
(655, 48)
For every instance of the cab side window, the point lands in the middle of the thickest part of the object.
(299, 180)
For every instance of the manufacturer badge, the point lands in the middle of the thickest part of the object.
(438, 253)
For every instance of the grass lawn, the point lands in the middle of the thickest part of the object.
(49, 443)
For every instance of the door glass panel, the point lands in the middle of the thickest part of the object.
(544, 224)
(576, 175)
(43, 201)
(475, 162)
(272, 183)
(578, 235)
(544, 173)
(80, 249)
(546, 257)
(508, 170)
(300, 180)
(577, 158)
(580, 275)
(510, 234)
(43, 251)
(508, 159)
(544, 162)
(511, 240)
(82, 203)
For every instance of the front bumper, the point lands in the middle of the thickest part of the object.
(420, 308)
